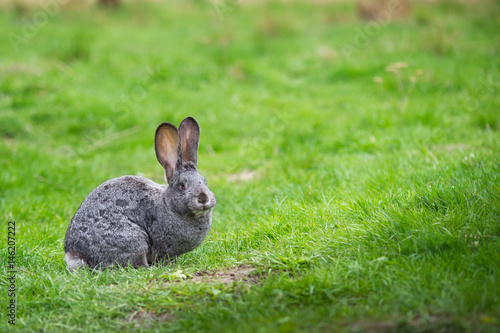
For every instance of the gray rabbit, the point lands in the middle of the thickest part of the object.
(132, 220)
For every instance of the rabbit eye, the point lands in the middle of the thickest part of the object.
(183, 186)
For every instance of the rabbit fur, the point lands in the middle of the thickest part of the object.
(132, 220)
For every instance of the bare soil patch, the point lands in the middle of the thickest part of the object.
(242, 273)
(144, 319)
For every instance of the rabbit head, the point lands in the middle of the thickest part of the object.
(177, 152)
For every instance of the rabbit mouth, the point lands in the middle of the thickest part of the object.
(202, 212)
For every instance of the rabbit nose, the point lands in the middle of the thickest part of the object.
(202, 198)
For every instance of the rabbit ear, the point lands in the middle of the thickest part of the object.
(189, 133)
(167, 148)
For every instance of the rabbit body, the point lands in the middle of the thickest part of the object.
(133, 220)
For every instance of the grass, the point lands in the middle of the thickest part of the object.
(363, 190)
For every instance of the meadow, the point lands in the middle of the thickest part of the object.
(356, 164)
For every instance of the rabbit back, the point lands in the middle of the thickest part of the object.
(109, 228)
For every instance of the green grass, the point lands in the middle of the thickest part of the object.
(367, 200)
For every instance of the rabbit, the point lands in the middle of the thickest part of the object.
(134, 221)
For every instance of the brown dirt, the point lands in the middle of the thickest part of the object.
(143, 318)
(242, 176)
(242, 273)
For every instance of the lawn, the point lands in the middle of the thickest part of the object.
(356, 164)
